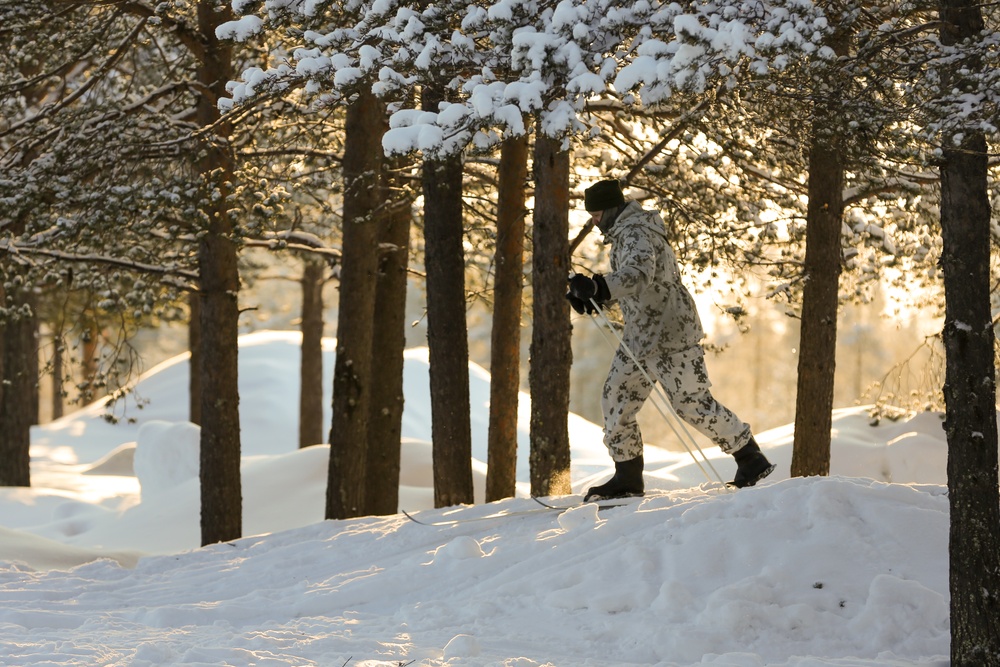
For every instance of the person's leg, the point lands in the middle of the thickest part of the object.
(625, 390)
(684, 377)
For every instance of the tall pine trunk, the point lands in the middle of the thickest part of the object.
(551, 355)
(820, 296)
(18, 373)
(311, 360)
(447, 338)
(18, 383)
(58, 369)
(818, 344)
(352, 371)
(389, 343)
(970, 399)
(505, 337)
(221, 491)
(970, 377)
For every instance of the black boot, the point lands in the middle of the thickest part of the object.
(626, 482)
(751, 465)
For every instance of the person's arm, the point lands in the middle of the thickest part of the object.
(637, 266)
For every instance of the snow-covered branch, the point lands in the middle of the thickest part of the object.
(506, 62)
(27, 252)
(50, 110)
(295, 239)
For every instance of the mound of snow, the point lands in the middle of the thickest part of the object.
(269, 393)
(166, 455)
(280, 493)
(817, 571)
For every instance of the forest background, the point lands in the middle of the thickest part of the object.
(889, 351)
(810, 154)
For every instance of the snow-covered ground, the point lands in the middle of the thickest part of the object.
(100, 565)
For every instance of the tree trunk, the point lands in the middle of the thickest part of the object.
(58, 368)
(32, 337)
(18, 387)
(818, 339)
(388, 346)
(551, 354)
(221, 492)
(970, 397)
(820, 296)
(311, 365)
(90, 351)
(970, 380)
(352, 374)
(447, 338)
(505, 339)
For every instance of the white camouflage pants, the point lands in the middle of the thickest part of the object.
(684, 378)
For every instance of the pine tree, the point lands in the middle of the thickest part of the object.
(551, 354)
(135, 179)
(970, 347)
(67, 140)
(386, 424)
(352, 375)
(505, 337)
(447, 337)
(821, 267)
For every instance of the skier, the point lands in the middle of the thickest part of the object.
(664, 332)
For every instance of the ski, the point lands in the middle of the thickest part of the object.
(600, 502)
(487, 517)
(543, 509)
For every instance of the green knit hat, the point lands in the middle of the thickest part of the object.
(603, 195)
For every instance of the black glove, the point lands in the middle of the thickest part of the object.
(580, 306)
(582, 289)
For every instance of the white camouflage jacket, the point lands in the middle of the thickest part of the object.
(660, 314)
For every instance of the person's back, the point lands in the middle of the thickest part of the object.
(659, 312)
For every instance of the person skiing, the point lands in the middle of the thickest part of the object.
(664, 332)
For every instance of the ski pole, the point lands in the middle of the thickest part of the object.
(687, 437)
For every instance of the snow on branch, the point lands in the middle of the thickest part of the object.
(700, 45)
(26, 252)
(295, 239)
(506, 62)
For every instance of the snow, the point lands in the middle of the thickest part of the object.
(241, 29)
(99, 560)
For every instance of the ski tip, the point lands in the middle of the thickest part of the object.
(414, 519)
